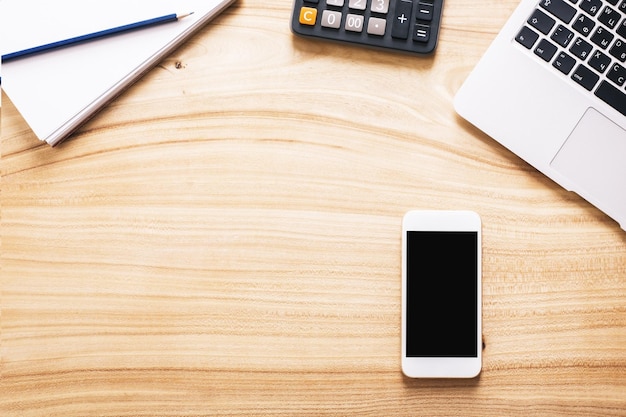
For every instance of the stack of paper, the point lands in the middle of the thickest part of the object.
(56, 91)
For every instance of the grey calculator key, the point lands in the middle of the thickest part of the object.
(331, 19)
(354, 23)
(376, 26)
(357, 4)
(380, 6)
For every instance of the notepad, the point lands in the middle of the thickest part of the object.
(59, 90)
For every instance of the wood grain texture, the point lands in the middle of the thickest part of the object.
(224, 239)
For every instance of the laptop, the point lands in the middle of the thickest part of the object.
(552, 89)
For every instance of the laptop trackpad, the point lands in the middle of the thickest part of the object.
(594, 159)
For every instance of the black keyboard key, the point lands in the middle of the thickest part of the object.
(617, 74)
(613, 2)
(581, 48)
(564, 63)
(583, 25)
(559, 8)
(402, 20)
(621, 29)
(599, 61)
(527, 37)
(612, 96)
(585, 77)
(609, 17)
(618, 50)
(541, 21)
(562, 36)
(602, 37)
(591, 6)
(545, 50)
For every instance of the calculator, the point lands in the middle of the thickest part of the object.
(402, 25)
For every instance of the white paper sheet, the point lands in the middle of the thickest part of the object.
(58, 90)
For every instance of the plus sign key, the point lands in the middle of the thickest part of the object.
(402, 19)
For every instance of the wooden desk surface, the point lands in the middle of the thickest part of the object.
(225, 239)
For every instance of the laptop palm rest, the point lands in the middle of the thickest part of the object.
(599, 145)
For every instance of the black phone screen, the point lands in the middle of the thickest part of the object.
(442, 294)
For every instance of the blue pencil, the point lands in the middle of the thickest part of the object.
(95, 35)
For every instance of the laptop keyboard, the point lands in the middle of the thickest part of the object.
(584, 40)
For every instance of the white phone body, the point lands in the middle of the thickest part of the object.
(441, 294)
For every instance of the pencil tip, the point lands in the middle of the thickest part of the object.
(180, 16)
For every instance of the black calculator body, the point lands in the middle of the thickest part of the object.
(402, 25)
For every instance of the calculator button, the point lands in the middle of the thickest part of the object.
(331, 19)
(376, 26)
(425, 11)
(357, 4)
(354, 23)
(380, 6)
(402, 19)
(421, 33)
(337, 3)
(308, 16)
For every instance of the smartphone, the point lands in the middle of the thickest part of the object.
(441, 294)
